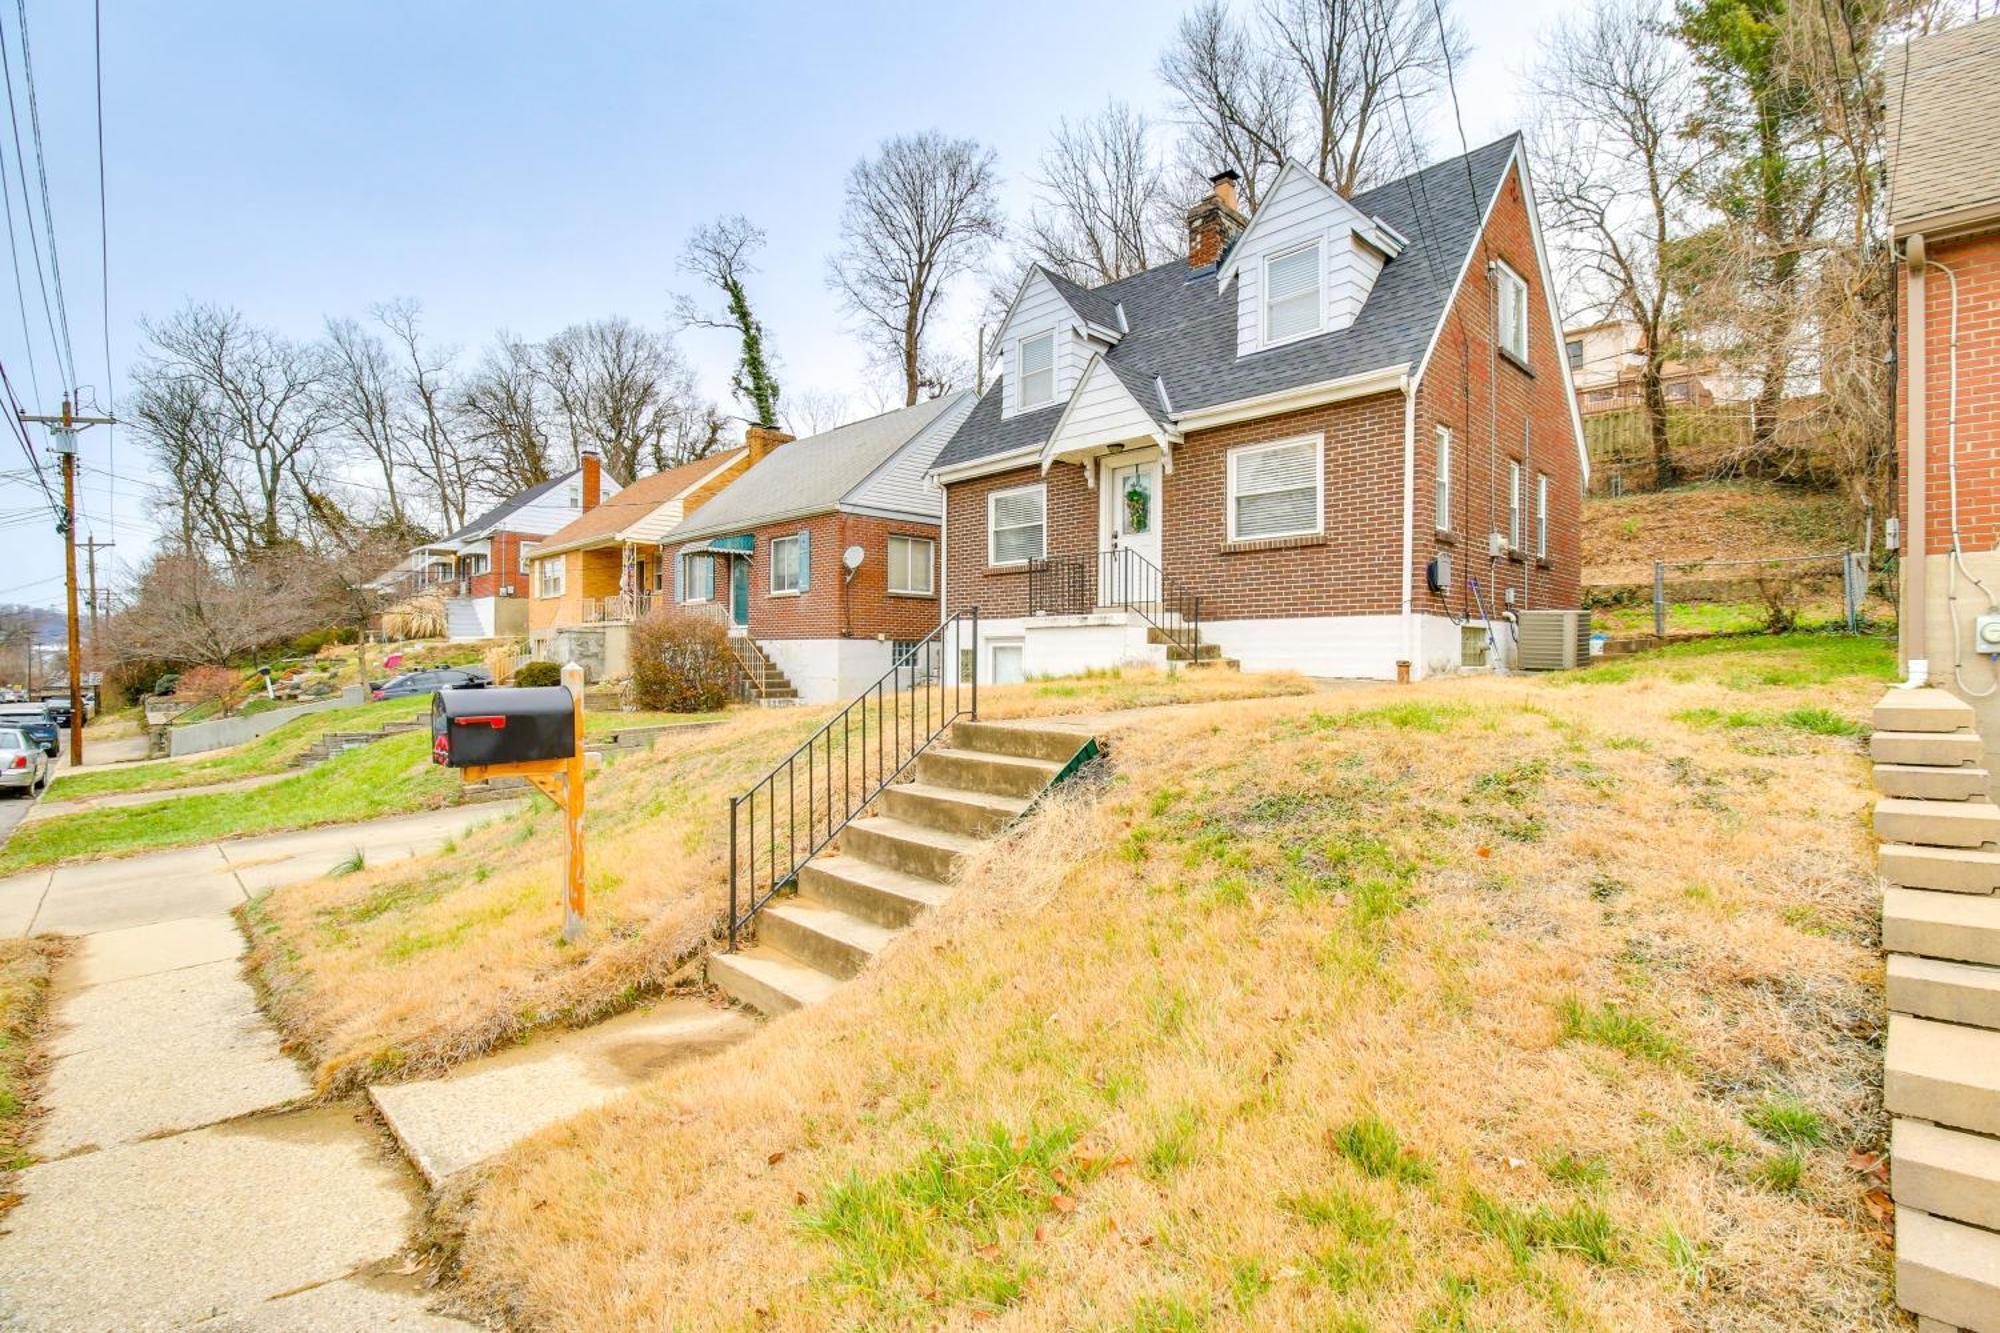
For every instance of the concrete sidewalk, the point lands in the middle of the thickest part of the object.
(184, 1180)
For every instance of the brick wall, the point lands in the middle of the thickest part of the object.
(833, 607)
(504, 569)
(1976, 261)
(1072, 532)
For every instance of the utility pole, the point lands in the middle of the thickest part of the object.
(63, 430)
(91, 548)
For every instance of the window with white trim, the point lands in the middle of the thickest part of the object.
(911, 562)
(1541, 516)
(1444, 479)
(1275, 489)
(697, 578)
(1017, 525)
(785, 564)
(1513, 296)
(1292, 304)
(527, 549)
(1038, 370)
(549, 576)
(1514, 505)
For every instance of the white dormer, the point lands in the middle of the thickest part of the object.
(1043, 346)
(1305, 264)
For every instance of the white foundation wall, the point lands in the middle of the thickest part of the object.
(1977, 679)
(829, 670)
(1350, 647)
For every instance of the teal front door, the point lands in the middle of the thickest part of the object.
(739, 591)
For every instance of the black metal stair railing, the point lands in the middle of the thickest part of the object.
(1059, 586)
(1128, 580)
(791, 813)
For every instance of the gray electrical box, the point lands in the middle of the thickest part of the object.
(1986, 633)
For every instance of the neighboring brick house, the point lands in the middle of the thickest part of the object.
(482, 569)
(1944, 187)
(766, 554)
(593, 577)
(1254, 438)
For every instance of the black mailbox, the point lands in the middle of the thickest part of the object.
(508, 726)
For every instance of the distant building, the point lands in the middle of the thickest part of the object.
(1608, 358)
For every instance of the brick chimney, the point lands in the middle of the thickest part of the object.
(762, 440)
(593, 476)
(1214, 222)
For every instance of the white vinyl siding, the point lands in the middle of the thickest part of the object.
(1293, 304)
(785, 564)
(549, 576)
(1514, 505)
(1443, 479)
(1513, 297)
(911, 562)
(1274, 489)
(1016, 525)
(697, 578)
(1541, 515)
(1038, 371)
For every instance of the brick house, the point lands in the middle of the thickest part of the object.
(1340, 438)
(1944, 188)
(481, 570)
(768, 554)
(591, 578)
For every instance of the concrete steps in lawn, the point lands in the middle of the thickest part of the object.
(1950, 992)
(894, 863)
(1964, 927)
(1946, 1073)
(1925, 782)
(1947, 869)
(1937, 823)
(1947, 1273)
(1927, 709)
(1941, 749)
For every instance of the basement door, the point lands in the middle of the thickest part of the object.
(1130, 522)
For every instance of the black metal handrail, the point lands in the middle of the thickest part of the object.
(846, 763)
(1129, 580)
(1059, 586)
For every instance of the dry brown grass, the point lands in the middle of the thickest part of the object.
(26, 969)
(1563, 946)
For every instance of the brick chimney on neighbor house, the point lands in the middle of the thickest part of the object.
(593, 476)
(1215, 221)
(762, 440)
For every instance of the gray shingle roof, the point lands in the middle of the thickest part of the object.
(493, 517)
(1943, 102)
(1184, 330)
(809, 476)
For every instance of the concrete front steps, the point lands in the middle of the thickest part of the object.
(896, 862)
(771, 686)
(1941, 1074)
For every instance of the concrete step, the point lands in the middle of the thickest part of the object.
(971, 813)
(1055, 744)
(1962, 926)
(1945, 1172)
(1209, 652)
(1950, 869)
(1942, 1072)
(1937, 823)
(975, 770)
(873, 892)
(1219, 663)
(769, 980)
(1922, 710)
(821, 935)
(1922, 782)
(911, 848)
(1950, 992)
(1945, 749)
(1947, 1271)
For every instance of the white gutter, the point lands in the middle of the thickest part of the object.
(1387, 379)
(1025, 456)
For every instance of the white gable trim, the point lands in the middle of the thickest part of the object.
(1143, 423)
(1083, 325)
(1515, 159)
(1351, 217)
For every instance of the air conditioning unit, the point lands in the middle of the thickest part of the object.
(1553, 640)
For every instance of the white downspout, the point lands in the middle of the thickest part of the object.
(1955, 567)
(1410, 635)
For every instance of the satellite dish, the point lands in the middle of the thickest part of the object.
(852, 558)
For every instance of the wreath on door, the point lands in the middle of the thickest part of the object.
(1138, 507)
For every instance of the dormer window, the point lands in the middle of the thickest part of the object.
(1292, 304)
(1038, 370)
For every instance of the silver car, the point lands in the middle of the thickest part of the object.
(23, 766)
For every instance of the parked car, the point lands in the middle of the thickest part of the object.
(414, 683)
(34, 718)
(23, 766)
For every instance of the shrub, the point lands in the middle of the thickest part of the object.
(681, 663)
(218, 685)
(1781, 594)
(538, 673)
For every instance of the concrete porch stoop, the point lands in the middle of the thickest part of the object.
(1940, 856)
(896, 862)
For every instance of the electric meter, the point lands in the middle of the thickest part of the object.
(1986, 633)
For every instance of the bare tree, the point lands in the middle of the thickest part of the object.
(187, 609)
(180, 426)
(816, 410)
(359, 395)
(622, 388)
(1104, 210)
(1621, 178)
(502, 411)
(422, 409)
(919, 214)
(1337, 84)
(719, 254)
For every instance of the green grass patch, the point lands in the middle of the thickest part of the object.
(1620, 1029)
(1582, 1229)
(1787, 1121)
(1811, 719)
(1754, 661)
(1783, 1174)
(1373, 1145)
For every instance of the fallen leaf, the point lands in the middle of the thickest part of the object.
(1879, 1205)
(1061, 1178)
(1041, 1233)
(799, 1198)
(1062, 1203)
(988, 1251)
(775, 1158)
(1872, 1164)
(1486, 851)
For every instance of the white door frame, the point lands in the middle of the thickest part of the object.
(1111, 513)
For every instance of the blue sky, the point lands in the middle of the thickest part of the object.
(527, 165)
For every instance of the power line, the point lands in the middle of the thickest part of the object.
(42, 177)
(104, 262)
(27, 211)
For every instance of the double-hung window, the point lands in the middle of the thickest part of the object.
(526, 550)
(1513, 297)
(549, 576)
(911, 561)
(1541, 516)
(1444, 479)
(1274, 489)
(697, 578)
(1038, 370)
(785, 576)
(1292, 304)
(1016, 525)
(1515, 504)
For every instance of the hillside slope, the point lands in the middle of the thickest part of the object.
(1624, 535)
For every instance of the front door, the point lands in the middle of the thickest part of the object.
(739, 592)
(1131, 527)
